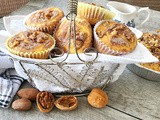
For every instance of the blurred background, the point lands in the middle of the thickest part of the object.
(152, 4)
(7, 6)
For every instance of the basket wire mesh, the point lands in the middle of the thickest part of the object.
(57, 52)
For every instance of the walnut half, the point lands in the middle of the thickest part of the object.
(45, 101)
(66, 103)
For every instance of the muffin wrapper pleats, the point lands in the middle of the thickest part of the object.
(37, 55)
(94, 14)
(101, 47)
(50, 30)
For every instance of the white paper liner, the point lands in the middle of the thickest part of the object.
(101, 47)
(74, 76)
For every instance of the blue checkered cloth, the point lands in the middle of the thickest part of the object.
(9, 81)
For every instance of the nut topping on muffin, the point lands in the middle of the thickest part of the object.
(31, 44)
(44, 20)
(114, 38)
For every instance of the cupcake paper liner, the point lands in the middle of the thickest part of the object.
(37, 55)
(94, 13)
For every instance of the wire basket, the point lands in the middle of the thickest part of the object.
(59, 75)
(68, 77)
(74, 73)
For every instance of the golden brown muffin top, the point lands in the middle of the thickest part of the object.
(83, 35)
(116, 36)
(44, 16)
(30, 41)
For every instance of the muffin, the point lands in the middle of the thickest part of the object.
(83, 35)
(152, 42)
(31, 44)
(44, 20)
(93, 13)
(97, 98)
(113, 38)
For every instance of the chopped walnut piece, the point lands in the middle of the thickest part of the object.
(114, 32)
(14, 44)
(79, 43)
(48, 14)
(40, 40)
(100, 34)
(81, 36)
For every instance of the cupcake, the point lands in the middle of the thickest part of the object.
(113, 38)
(44, 20)
(152, 42)
(83, 35)
(93, 13)
(31, 44)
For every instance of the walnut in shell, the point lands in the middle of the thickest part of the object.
(97, 98)
(45, 101)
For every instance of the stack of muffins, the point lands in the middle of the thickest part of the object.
(47, 29)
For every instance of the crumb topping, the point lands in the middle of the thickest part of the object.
(116, 31)
(29, 40)
(45, 14)
(152, 42)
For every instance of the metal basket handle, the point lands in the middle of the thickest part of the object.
(71, 16)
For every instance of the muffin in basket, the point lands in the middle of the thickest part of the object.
(113, 38)
(44, 20)
(93, 13)
(83, 35)
(31, 44)
(152, 42)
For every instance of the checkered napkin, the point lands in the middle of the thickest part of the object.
(9, 81)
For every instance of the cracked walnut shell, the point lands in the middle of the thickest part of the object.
(66, 103)
(97, 98)
(45, 101)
